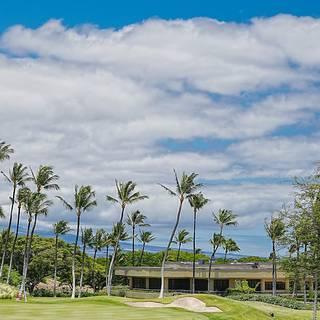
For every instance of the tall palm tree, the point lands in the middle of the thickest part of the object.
(180, 239)
(126, 195)
(83, 201)
(60, 228)
(135, 219)
(97, 244)
(35, 203)
(144, 237)
(5, 151)
(18, 176)
(107, 244)
(223, 218)
(229, 245)
(21, 196)
(275, 230)
(185, 188)
(86, 239)
(197, 202)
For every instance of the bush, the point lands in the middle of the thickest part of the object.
(276, 300)
(7, 292)
(242, 287)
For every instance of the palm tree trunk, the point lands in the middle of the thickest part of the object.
(212, 257)
(194, 251)
(28, 254)
(142, 252)
(225, 255)
(74, 259)
(93, 271)
(107, 264)
(8, 232)
(82, 270)
(161, 295)
(305, 280)
(23, 280)
(111, 266)
(133, 229)
(14, 244)
(315, 300)
(179, 248)
(55, 267)
(274, 276)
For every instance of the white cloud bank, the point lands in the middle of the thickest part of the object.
(97, 103)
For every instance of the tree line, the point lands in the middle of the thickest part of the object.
(29, 196)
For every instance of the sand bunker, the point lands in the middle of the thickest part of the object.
(188, 303)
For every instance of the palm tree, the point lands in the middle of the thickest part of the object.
(229, 245)
(223, 218)
(83, 201)
(135, 219)
(181, 238)
(275, 230)
(118, 234)
(126, 195)
(59, 228)
(2, 214)
(185, 188)
(18, 176)
(97, 244)
(22, 193)
(35, 203)
(197, 202)
(107, 244)
(5, 151)
(86, 239)
(144, 237)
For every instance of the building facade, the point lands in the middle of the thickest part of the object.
(178, 277)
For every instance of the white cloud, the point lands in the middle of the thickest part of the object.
(97, 103)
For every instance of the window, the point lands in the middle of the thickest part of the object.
(221, 285)
(139, 283)
(154, 283)
(254, 283)
(179, 284)
(281, 285)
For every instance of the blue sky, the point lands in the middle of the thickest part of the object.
(118, 13)
(132, 89)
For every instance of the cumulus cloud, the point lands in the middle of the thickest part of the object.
(99, 104)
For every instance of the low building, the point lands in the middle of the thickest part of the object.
(178, 276)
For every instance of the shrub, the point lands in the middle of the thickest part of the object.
(242, 287)
(7, 292)
(276, 300)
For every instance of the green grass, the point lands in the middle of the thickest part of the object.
(114, 308)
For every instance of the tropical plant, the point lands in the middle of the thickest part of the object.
(185, 188)
(107, 244)
(180, 239)
(144, 237)
(83, 201)
(135, 219)
(22, 193)
(275, 230)
(197, 202)
(97, 243)
(86, 239)
(126, 195)
(34, 203)
(229, 245)
(223, 218)
(5, 151)
(17, 177)
(60, 228)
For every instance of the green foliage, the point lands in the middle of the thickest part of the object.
(7, 291)
(276, 300)
(242, 287)
(253, 259)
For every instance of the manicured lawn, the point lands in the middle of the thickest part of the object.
(114, 308)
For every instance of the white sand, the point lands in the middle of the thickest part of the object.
(188, 303)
